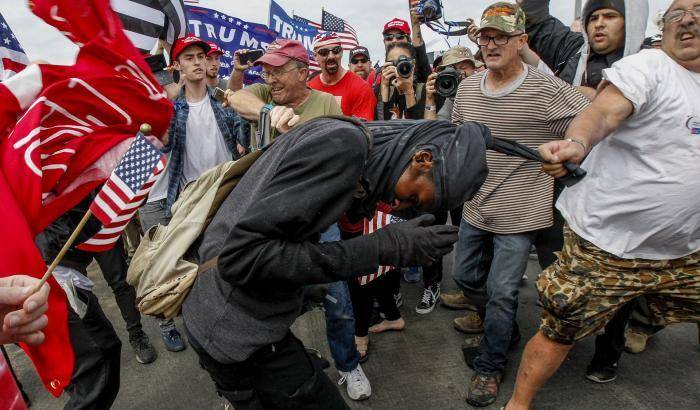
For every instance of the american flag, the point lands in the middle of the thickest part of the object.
(12, 57)
(124, 192)
(380, 220)
(146, 21)
(313, 64)
(347, 34)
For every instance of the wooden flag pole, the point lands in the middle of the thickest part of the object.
(63, 251)
(145, 129)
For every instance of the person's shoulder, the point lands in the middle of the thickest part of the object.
(323, 96)
(646, 59)
(315, 82)
(335, 135)
(356, 82)
(546, 81)
(472, 81)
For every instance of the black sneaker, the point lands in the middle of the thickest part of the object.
(601, 374)
(145, 353)
(429, 299)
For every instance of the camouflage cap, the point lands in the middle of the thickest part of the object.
(504, 16)
(457, 54)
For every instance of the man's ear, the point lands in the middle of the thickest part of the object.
(423, 160)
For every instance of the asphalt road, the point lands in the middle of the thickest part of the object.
(419, 368)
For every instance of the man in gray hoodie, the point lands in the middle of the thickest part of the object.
(612, 29)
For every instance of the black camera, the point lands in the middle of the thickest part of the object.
(447, 82)
(404, 66)
(430, 10)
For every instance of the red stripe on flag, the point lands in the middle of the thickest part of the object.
(12, 65)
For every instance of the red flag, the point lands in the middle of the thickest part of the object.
(62, 131)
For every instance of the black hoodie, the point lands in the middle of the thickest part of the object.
(266, 232)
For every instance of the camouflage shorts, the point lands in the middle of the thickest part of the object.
(583, 289)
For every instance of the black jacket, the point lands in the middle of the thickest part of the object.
(552, 40)
(52, 239)
(266, 235)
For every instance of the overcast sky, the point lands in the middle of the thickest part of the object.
(41, 41)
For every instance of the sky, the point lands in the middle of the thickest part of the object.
(43, 42)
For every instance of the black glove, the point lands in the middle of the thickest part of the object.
(415, 242)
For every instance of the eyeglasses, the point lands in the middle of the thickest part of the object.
(269, 75)
(499, 39)
(337, 50)
(359, 60)
(389, 37)
(677, 15)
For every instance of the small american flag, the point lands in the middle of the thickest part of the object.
(313, 64)
(347, 34)
(124, 192)
(380, 220)
(12, 56)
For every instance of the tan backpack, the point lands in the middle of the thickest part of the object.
(159, 270)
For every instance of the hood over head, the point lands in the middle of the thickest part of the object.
(459, 159)
(636, 14)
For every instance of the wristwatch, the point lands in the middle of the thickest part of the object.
(266, 108)
(430, 108)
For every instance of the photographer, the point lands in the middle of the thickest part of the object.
(457, 64)
(399, 94)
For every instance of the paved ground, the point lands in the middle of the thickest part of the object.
(420, 368)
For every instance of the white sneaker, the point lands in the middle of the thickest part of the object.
(358, 384)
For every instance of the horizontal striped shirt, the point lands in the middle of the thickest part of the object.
(517, 195)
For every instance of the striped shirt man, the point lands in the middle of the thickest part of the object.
(517, 196)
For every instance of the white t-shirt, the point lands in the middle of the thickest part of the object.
(160, 188)
(205, 147)
(641, 198)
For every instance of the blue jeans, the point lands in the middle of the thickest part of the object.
(340, 321)
(494, 290)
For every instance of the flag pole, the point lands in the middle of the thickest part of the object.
(63, 251)
(145, 130)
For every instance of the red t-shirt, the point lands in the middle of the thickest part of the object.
(354, 95)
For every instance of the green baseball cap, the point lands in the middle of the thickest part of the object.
(504, 16)
(457, 54)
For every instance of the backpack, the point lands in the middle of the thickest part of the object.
(162, 270)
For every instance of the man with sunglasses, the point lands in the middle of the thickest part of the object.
(633, 222)
(612, 29)
(354, 95)
(360, 63)
(517, 102)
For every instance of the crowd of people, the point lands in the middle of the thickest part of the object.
(354, 144)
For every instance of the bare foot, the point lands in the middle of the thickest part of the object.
(397, 325)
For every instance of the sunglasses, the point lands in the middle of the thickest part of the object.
(359, 60)
(337, 50)
(389, 37)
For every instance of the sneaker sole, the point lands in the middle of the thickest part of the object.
(424, 311)
(469, 331)
(362, 397)
(138, 359)
(176, 350)
(458, 307)
(600, 381)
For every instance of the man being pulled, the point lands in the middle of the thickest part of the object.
(263, 244)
